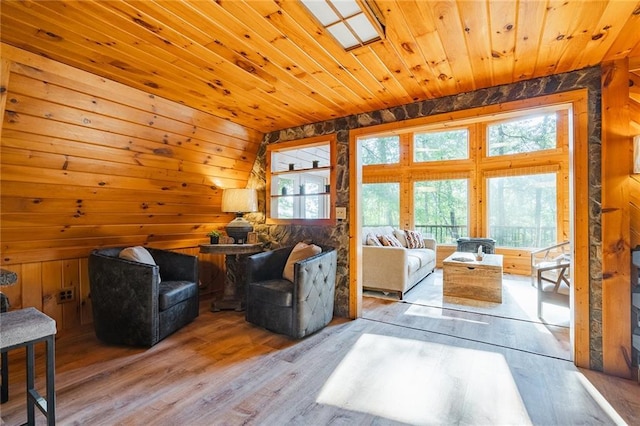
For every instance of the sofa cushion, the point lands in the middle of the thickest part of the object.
(278, 292)
(174, 292)
(423, 256)
(300, 251)
(414, 263)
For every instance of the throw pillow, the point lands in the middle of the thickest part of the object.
(300, 251)
(399, 234)
(138, 254)
(389, 241)
(414, 239)
(372, 240)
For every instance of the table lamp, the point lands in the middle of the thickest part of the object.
(239, 201)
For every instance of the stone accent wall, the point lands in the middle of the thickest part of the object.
(338, 236)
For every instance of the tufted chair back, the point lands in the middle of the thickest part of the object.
(297, 308)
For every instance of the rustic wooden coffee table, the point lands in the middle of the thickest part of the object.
(463, 276)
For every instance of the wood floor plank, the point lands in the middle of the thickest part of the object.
(220, 370)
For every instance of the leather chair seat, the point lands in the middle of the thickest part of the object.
(278, 292)
(173, 292)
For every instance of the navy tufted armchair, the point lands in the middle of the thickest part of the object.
(297, 308)
(131, 306)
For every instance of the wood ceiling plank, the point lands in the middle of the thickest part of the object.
(397, 70)
(24, 37)
(474, 17)
(449, 29)
(422, 26)
(603, 33)
(399, 34)
(154, 59)
(38, 67)
(529, 30)
(504, 20)
(254, 47)
(628, 41)
(292, 19)
(565, 35)
(228, 73)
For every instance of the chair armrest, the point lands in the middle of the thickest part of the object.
(307, 272)
(124, 297)
(176, 266)
(267, 265)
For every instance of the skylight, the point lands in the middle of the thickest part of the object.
(351, 22)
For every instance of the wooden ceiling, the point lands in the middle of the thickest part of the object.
(267, 65)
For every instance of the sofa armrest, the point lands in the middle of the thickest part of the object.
(384, 265)
(430, 243)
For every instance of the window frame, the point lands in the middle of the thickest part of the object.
(301, 144)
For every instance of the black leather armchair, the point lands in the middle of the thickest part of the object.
(297, 308)
(132, 306)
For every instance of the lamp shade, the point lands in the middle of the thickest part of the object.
(239, 200)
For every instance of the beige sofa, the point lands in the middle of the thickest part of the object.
(395, 269)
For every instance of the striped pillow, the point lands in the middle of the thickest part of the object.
(414, 239)
(389, 241)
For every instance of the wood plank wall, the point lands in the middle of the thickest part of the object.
(88, 163)
(616, 278)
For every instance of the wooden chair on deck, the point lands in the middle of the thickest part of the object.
(550, 268)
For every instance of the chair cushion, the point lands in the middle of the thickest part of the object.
(278, 292)
(300, 251)
(138, 254)
(174, 292)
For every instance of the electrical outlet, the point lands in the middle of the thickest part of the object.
(65, 295)
(341, 213)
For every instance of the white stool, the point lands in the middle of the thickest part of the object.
(26, 327)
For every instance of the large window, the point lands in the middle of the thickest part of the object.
(440, 209)
(503, 175)
(529, 134)
(381, 204)
(522, 210)
(380, 150)
(437, 146)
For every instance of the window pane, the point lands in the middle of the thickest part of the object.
(522, 210)
(436, 146)
(380, 150)
(440, 209)
(522, 135)
(381, 204)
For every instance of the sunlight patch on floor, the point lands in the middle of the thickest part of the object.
(420, 382)
(437, 313)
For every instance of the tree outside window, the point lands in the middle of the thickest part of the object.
(441, 209)
(523, 210)
(381, 204)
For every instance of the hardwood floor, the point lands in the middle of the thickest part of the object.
(220, 370)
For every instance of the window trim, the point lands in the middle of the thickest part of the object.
(299, 144)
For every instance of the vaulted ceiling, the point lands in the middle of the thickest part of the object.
(268, 65)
